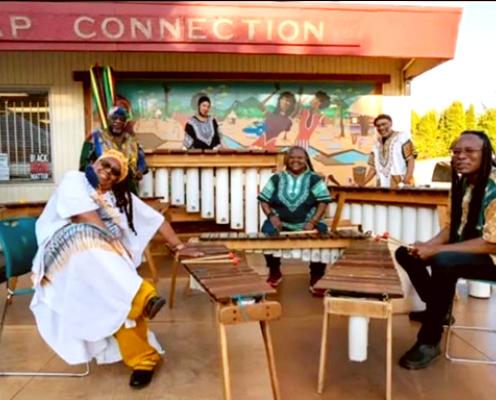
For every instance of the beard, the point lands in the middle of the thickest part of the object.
(116, 134)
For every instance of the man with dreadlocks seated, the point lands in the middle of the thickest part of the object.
(465, 248)
(89, 300)
(294, 200)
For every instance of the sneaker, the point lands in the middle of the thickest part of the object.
(153, 306)
(419, 316)
(274, 280)
(420, 356)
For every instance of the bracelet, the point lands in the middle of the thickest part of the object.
(271, 214)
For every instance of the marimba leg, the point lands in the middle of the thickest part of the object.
(389, 351)
(172, 293)
(264, 326)
(224, 357)
(151, 264)
(323, 351)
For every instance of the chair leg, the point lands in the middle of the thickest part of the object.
(85, 372)
(34, 373)
(8, 300)
(450, 332)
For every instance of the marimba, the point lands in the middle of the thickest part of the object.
(313, 247)
(408, 214)
(361, 285)
(215, 185)
(239, 294)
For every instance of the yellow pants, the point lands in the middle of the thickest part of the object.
(133, 342)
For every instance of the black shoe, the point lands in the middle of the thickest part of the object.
(153, 306)
(419, 316)
(274, 279)
(140, 378)
(420, 356)
(315, 292)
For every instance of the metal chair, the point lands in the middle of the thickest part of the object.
(450, 331)
(18, 241)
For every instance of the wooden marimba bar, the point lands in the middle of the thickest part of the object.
(313, 247)
(361, 285)
(240, 296)
(213, 185)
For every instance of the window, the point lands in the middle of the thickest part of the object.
(25, 149)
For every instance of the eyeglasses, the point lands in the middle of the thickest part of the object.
(113, 170)
(455, 152)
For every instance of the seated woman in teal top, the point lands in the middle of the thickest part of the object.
(294, 200)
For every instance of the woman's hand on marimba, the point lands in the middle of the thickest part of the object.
(276, 222)
(189, 252)
(309, 226)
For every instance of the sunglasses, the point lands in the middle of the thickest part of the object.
(115, 171)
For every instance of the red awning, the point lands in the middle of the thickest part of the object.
(232, 27)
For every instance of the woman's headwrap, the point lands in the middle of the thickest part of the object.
(118, 112)
(121, 158)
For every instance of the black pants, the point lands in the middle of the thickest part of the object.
(317, 269)
(438, 289)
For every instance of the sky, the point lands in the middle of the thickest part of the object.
(471, 75)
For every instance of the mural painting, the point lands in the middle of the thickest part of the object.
(324, 118)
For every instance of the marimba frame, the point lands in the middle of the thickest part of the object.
(349, 307)
(233, 310)
(362, 283)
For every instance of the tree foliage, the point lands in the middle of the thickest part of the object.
(433, 134)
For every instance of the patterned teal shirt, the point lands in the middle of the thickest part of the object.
(295, 198)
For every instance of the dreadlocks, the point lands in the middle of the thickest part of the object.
(124, 201)
(307, 157)
(458, 186)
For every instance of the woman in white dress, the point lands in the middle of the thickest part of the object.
(89, 300)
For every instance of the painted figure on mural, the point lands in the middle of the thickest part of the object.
(202, 130)
(120, 136)
(311, 118)
(278, 121)
(392, 159)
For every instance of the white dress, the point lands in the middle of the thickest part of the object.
(84, 293)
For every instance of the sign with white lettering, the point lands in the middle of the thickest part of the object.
(231, 27)
(40, 167)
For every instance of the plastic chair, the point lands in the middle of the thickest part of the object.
(18, 241)
(450, 330)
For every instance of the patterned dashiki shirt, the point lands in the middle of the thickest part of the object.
(487, 217)
(295, 198)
